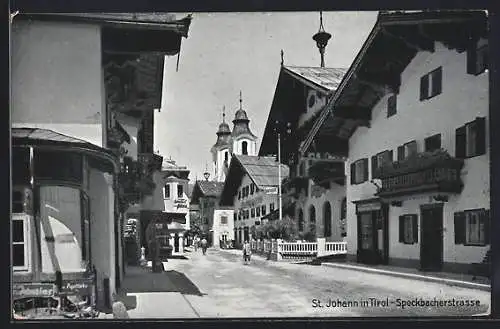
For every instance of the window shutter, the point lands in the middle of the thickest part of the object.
(365, 168)
(481, 136)
(402, 229)
(424, 87)
(414, 219)
(471, 58)
(437, 81)
(460, 140)
(401, 153)
(460, 227)
(374, 166)
(487, 220)
(353, 173)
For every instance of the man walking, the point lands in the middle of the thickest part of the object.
(204, 246)
(247, 252)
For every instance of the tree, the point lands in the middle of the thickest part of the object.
(285, 229)
(309, 235)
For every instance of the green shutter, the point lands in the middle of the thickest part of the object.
(401, 153)
(437, 81)
(460, 140)
(460, 227)
(353, 173)
(402, 229)
(414, 219)
(481, 136)
(424, 87)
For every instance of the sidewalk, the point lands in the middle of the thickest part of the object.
(453, 279)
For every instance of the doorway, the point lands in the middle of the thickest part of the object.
(431, 232)
(373, 237)
(176, 242)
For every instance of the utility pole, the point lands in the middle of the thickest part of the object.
(279, 177)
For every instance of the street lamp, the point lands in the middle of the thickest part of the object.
(288, 131)
(321, 39)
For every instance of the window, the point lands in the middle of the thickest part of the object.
(301, 220)
(379, 161)
(470, 139)
(327, 220)
(477, 59)
(433, 143)
(235, 217)
(472, 227)
(223, 220)
(180, 191)
(239, 195)
(244, 148)
(20, 251)
(167, 191)
(69, 166)
(252, 188)
(431, 84)
(271, 207)
(408, 229)
(257, 211)
(263, 210)
(391, 105)
(359, 171)
(407, 150)
(312, 215)
(252, 212)
(239, 215)
(226, 155)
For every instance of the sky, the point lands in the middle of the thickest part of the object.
(228, 52)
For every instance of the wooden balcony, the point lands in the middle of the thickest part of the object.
(323, 171)
(426, 172)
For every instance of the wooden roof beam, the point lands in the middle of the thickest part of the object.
(389, 79)
(418, 42)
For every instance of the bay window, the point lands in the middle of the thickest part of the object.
(20, 242)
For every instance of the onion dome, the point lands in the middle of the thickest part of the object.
(241, 122)
(224, 132)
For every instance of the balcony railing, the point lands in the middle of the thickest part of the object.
(426, 172)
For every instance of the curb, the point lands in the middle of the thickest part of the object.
(450, 282)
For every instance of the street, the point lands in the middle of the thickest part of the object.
(219, 285)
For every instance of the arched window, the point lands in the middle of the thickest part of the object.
(312, 215)
(327, 219)
(301, 220)
(226, 155)
(244, 148)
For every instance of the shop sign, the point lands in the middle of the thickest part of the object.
(23, 290)
(180, 203)
(368, 207)
(76, 287)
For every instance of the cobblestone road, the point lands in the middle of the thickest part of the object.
(271, 289)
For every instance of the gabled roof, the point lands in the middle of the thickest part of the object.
(392, 44)
(263, 171)
(323, 78)
(203, 188)
(289, 103)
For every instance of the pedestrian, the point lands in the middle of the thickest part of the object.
(247, 252)
(195, 242)
(204, 246)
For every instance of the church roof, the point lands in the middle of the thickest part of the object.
(204, 188)
(240, 115)
(327, 78)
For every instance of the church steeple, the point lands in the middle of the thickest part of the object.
(241, 121)
(224, 131)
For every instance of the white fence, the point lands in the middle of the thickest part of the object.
(298, 250)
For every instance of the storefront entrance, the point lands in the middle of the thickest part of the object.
(373, 233)
(431, 232)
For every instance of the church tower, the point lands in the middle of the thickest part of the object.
(221, 150)
(243, 141)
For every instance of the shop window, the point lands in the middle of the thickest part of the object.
(477, 59)
(69, 166)
(431, 84)
(407, 150)
(470, 139)
(180, 191)
(472, 227)
(433, 143)
(257, 211)
(408, 229)
(391, 105)
(223, 220)
(263, 209)
(20, 243)
(359, 171)
(167, 191)
(379, 161)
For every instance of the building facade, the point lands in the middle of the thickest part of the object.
(251, 190)
(312, 196)
(75, 82)
(418, 166)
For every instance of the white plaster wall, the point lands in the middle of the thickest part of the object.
(102, 227)
(464, 97)
(251, 146)
(220, 176)
(334, 196)
(57, 78)
(156, 200)
(219, 228)
(266, 200)
(169, 204)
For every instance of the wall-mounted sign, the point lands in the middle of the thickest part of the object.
(22, 290)
(368, 207)
(77, 287)
(181, 203)
(252, 203)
